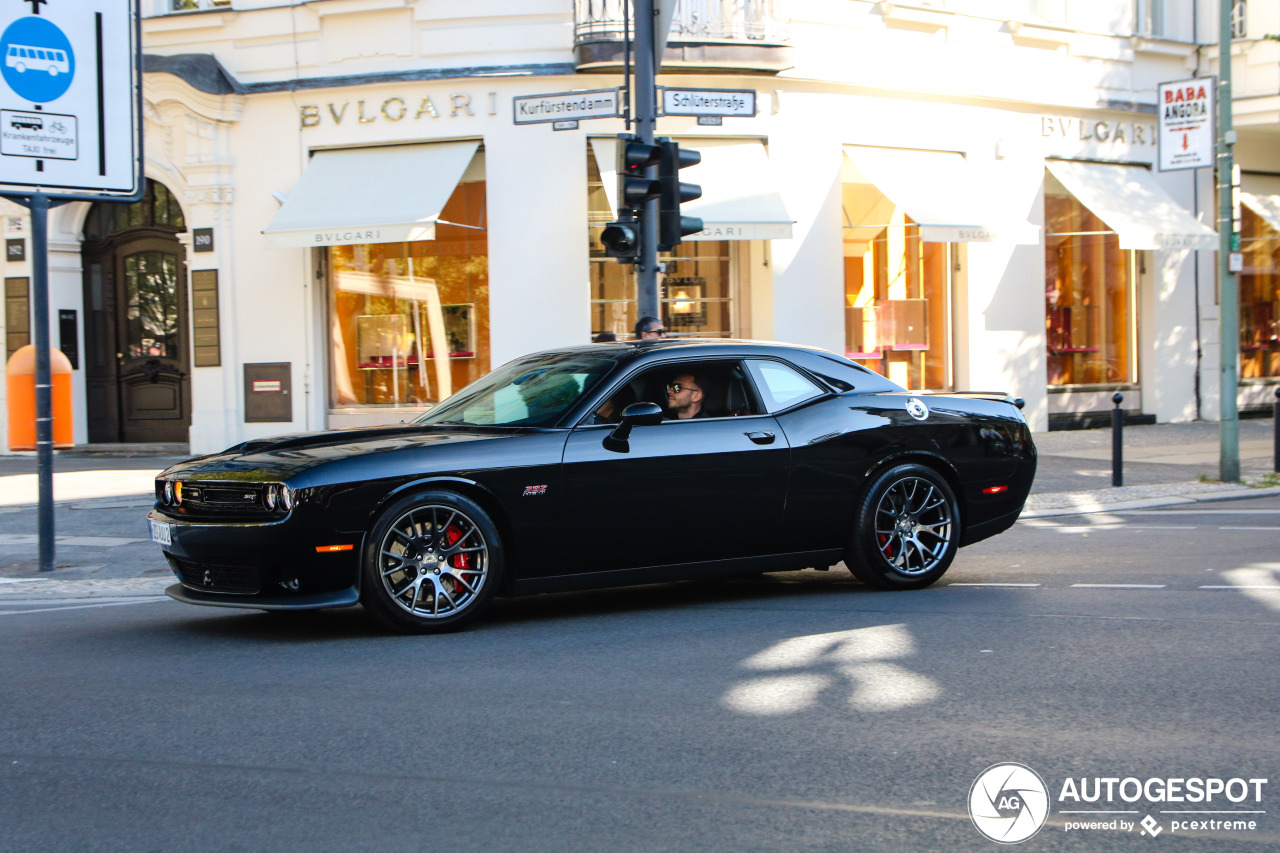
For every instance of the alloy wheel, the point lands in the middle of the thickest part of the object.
(433, 561)
(913, 526)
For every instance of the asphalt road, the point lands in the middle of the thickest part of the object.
(778, 713)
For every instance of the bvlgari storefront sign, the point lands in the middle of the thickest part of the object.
(1098, 139)
(417, 107)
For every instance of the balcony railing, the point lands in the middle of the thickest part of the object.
(747, 35)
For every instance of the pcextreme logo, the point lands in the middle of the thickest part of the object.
(1010, 802)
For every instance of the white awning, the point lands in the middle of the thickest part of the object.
(941, 192)
(740, 199)
(1134, 205)
(1261, 194)
(389, 194)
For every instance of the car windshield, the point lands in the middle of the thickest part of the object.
(533, 391)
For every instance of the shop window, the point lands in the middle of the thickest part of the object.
(1259, 287)
(409, 322)
(897, 291)
(1090, 317)
(696, 295)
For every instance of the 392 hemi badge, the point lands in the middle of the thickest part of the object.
(530, 491)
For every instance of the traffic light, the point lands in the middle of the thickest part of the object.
(634, 189)
(621, 240)
(672, 227)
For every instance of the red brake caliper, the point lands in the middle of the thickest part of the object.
(458, 561)
(886, 546)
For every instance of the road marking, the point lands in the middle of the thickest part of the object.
(1120, 585)
(995, 584)
(1240, 587)
(79, 606)
(1249, 528)
(1089, 528)
(1196, 511)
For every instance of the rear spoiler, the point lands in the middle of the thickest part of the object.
(999, 396)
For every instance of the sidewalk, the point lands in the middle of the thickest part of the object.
(1164, 464)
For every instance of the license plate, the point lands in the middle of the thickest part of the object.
(160, 533)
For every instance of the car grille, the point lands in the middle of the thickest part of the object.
(216, 577)
(222, 500)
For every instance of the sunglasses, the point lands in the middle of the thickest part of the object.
(676, 387)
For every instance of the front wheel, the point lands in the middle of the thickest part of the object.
(907, 529)
(433, 562)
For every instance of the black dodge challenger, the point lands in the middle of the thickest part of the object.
(575, 468)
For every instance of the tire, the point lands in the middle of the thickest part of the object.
(432, 563)
(907, 530)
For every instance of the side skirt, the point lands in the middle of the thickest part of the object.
(680, 572)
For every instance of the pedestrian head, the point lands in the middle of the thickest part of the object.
(649, 327)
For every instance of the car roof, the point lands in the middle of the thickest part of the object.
(719, 346)
(835, 371)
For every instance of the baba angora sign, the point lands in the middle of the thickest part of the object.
(1186, 124)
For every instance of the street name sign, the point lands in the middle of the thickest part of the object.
(1186, 124)
(567, 106)
(709, 102)
(70, 108)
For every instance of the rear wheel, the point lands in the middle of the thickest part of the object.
(432, 563)
(907, 530)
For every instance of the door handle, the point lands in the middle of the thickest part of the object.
(760, 437)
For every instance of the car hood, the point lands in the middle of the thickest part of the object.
(270, 459)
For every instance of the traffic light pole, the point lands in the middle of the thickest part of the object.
(645, 108)
(1228, 298)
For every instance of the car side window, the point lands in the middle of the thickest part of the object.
(781, 386)
(710, 389)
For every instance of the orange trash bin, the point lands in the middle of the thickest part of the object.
(21, 376)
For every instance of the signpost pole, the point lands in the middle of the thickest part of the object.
(646, 109)
(1228, 298)
(39, 207)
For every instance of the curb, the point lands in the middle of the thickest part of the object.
(1088, 505)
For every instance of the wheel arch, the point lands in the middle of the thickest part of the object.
(452, 483)
(930, 459)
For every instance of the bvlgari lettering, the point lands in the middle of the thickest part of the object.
(1084, 130)
(367, 236)
(395, 108)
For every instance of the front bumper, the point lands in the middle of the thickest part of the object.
(341, 598)
(269, 565)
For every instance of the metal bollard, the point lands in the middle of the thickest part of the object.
(1117, 441)
(1276, 465)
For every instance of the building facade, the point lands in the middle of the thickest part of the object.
(347, 217)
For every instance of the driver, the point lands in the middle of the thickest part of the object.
(685, 394)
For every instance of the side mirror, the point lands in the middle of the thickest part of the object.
(637, 414)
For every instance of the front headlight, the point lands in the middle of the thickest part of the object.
(270, 496)
(286, 497)
(168, 492)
